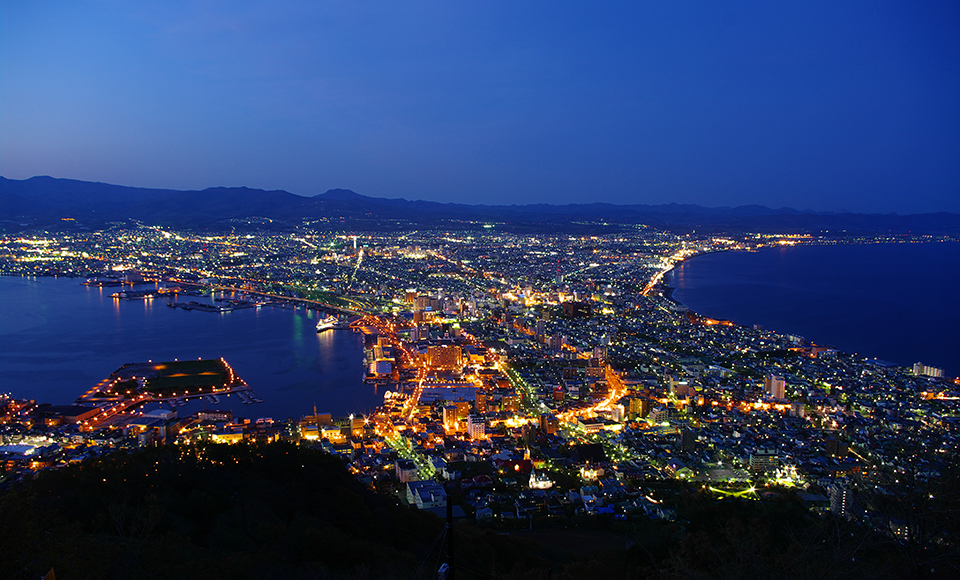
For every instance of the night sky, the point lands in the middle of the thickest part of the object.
(814, 105)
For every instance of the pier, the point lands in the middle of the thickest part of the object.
(136, 384)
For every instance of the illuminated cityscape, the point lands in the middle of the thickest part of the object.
(546, 376)
(471, 290)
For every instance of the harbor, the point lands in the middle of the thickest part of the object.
(82, 333)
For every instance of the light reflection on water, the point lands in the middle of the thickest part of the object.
(58, 338)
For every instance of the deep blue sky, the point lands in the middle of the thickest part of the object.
(824, 105)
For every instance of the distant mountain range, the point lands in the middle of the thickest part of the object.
(46, 201)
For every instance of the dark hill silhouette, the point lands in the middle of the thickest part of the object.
(43, 201)
(339, 195)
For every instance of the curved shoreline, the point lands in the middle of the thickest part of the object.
(904, 343)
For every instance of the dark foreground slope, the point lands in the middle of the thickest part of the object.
(274, 511)
(281, 511)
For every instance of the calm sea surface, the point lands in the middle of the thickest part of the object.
(58, 338)
(896, 302)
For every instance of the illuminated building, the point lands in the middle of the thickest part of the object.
(658, 415)
(476, 426)
(428, 303)
(463, 409)
(460, 392)
(639, 407)
(764, 460)
(922, 370)
(549, 423)
(215, 415)
(589, 425)
(480, 401)
(381, 368)
(774, 387)
(540, 481)
(595, 369)
(450, 417)
(448, 357)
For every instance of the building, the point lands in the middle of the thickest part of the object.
(381, 368)
(476, 426)
(835, 448)
(428, 303)
(576, 309)
(775, 387)
(686, 440)
(658, 415)
(639, 407)
(426, 494)
(450, 417)
(480, 401)
(68, 414)
(216, 415)
(556, 342)
(764, 461)
(841, 501)
(540, 480)
(406, 470)
(456, 393)
(549, 423)
(922, 370)
(447, 357)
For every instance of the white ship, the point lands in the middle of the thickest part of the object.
(331, 322)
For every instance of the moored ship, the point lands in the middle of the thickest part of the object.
(332, 322)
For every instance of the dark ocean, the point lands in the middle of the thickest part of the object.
(58, 338)
(895, 302)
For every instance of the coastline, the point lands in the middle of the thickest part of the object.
(82, 335)
(853, 310)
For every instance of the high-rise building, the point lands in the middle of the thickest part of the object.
(835, 448)
(639, 407)
(406, 470)
(476, 426)
(480, 401)
(775, 387)
(549, 423)
(450, 417)
(557, 342)
(841, 500)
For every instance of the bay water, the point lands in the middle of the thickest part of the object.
(58, 338)
(898, 302)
